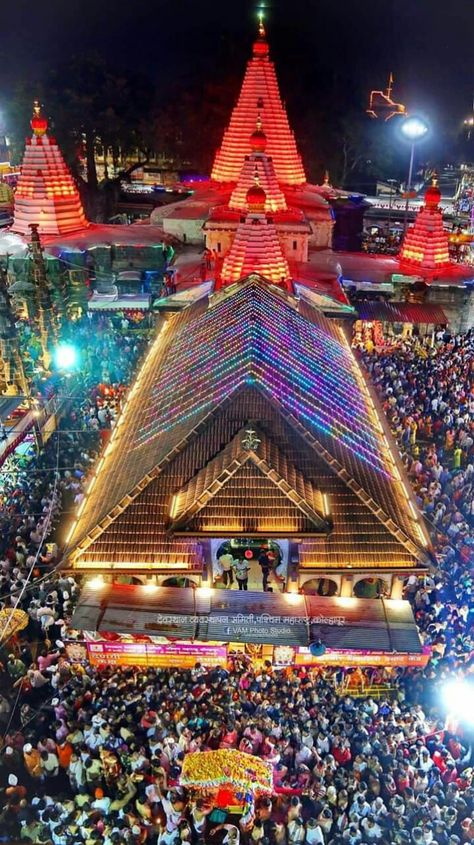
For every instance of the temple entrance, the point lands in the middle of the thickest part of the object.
(251, 550)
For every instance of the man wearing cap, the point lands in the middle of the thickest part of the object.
(15, 668)
(32, 760)
(14, 791)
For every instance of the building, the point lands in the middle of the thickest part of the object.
(77, 251)
(259, 101)
(323, 478)
(251, 428)
(46, 194)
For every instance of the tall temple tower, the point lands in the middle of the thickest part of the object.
(425, 245)
(46, 194)
(259, 95)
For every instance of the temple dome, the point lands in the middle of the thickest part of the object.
(258, 140)
(38, 123)
(433, 195)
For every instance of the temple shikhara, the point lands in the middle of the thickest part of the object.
(257, 139)
(46, 194)
(259, 96)
(425, 245)
(251, 426)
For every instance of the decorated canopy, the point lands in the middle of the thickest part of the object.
(227, 767)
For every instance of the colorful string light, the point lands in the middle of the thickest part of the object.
(252, 336)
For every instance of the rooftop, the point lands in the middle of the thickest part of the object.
(249, 353)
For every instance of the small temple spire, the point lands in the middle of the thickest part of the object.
(258, 165)
(425, 244)
(261, 25)
(46, 194)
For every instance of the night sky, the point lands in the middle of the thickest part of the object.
(427, 44)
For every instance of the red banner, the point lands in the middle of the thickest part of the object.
(167, 655)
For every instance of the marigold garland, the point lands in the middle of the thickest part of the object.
(227, 766)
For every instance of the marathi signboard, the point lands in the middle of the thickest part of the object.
(169, 655)
(186, 655)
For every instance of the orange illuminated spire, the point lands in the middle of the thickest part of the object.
(259, 95)
(259, 164)
(46, 193)
(256, 248)
(426, 242)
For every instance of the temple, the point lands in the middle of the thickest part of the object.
(46, 193)
(251, 426)
(256, 248)
(258, 137)
(251, 421)
(287, 232)
(259, 95)
(425, 246)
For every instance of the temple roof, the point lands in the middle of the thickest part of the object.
(249, 491)
(46, 193)
(248, 355)
(426, 244)
(259, 96)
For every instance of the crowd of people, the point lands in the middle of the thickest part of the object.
(95, 756)
(428, 397)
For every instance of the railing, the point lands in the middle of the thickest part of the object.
(370, 691)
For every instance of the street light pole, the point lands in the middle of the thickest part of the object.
(391, 182)
(413, 129)
(408, 188)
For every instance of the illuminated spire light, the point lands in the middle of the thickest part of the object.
(46, 193)
(426, 242)
(259, 95)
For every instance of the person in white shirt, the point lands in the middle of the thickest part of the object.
(232, 836)
(226, 563)
(314, 834)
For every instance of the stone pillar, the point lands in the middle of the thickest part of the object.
(397, 587)
(346, 586)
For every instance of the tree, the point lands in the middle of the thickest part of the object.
(96, 106)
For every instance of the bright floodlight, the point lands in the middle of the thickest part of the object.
(413, 128)
(458, 698)
(66, 357)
